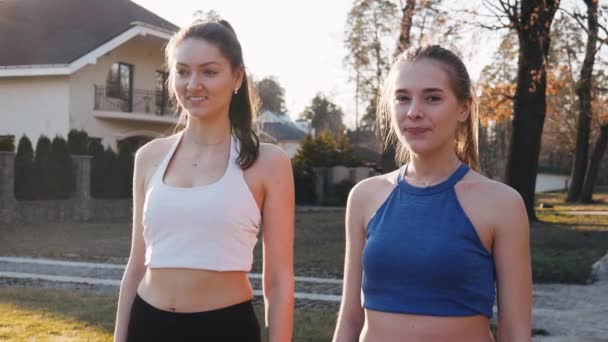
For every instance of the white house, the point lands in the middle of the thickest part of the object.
(92, 65)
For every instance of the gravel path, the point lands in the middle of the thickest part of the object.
(572, 313)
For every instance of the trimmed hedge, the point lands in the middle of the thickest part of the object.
(60, 172)
(78, 142)
(24, 170)
(111, 174)
(48, 173)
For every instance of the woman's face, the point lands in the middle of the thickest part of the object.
(203, 78)
(425, 112)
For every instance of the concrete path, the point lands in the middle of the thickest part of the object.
(586, 213)
(572, 313)
(310, 288)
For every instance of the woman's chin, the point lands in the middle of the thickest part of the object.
(197, 113)
(419, 148)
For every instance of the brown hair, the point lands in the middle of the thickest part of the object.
(466, 135)
(243, 105)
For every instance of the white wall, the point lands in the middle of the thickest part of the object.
(146, 56)
(34, 106)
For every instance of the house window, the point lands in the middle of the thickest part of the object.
(119, 84)
(162, 95)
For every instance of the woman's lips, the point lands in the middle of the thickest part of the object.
(197, 100)
(416, 130)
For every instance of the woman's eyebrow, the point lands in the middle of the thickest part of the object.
(425, 90)
(202, 64)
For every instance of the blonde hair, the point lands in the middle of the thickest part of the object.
(467, 134)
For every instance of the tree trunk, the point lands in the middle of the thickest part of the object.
(406, 26)
(529, 105)
(388, 163)
(583, 91)
(594, 165)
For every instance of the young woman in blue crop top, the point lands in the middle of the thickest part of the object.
(430, 246)
(200, 198)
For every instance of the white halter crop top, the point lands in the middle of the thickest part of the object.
(211, 227)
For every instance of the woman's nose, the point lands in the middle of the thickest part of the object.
(195, 81)
(414, 111)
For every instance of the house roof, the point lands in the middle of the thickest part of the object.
(279, 127)
(281, 131)
(43, 32)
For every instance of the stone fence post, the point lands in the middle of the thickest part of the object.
(82, 176)
(8, 203)
(82, 193)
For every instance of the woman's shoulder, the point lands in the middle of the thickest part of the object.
(272, 152)
(494, 194)
(271, 159)
(373, 187)
(270, 156)
(388, 179)
(155, 150)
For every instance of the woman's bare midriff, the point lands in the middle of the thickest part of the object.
(397, 327)
(193, 290)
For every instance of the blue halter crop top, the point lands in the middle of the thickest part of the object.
(423, 256)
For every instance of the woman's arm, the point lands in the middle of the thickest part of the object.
(277, 228)
(513, 267)
(135, 266)
(351, 316)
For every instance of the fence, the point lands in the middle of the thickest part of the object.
(80, 207)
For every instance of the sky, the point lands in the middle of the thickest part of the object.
(298, 42)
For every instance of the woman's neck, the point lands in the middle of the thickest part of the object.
(207, 131)
(431, 169)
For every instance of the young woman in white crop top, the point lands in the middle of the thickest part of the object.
(200, 198)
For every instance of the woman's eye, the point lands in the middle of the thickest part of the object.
(402, 99)
(210, 72)
(432, 99)
(182, 72)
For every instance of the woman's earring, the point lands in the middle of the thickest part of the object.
(236, 90)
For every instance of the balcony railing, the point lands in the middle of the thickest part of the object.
(142, 101)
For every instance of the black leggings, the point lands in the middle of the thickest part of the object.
(234, 323)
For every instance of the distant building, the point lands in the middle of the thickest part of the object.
(279, 129)
(91, 65)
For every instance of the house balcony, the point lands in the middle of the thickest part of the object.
(142, 105)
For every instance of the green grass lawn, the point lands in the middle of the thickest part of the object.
(30, 314)
(564, 246)
(58, 315)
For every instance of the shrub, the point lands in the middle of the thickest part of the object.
(24, 170)
(321, 151)
(124, 164)
(78, 142)
(42, 180)
(99, 169)
(60, 170)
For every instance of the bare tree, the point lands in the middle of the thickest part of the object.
(406, 25)
(583, 91)
(531, 19)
